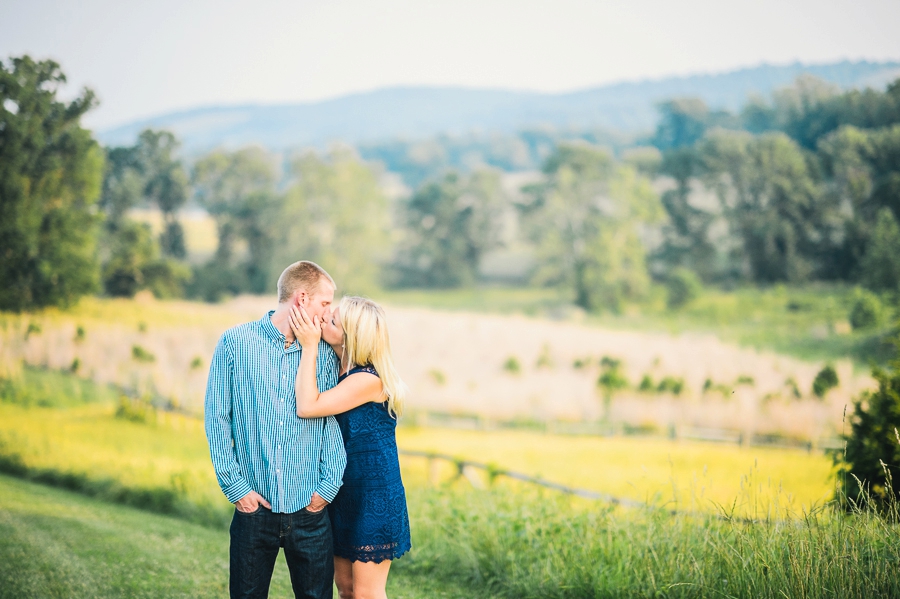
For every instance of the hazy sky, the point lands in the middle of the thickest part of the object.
(145, 58)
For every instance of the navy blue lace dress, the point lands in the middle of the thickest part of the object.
(368, 517)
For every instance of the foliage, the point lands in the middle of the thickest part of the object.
(880, 265)
(869, 467)
(144, 174)
(671, 385)
(166, 185)
(335, 214)
(134, 264)
(585, 222)
(683, 287)
(238, 190)
(866, 312)
(826, 379)
(771, 201)
(512, 365)
(50, 178)
(450, 224)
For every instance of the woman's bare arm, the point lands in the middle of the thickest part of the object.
(351, 392)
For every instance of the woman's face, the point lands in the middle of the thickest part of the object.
(332, 331)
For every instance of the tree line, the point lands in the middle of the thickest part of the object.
(803, 187)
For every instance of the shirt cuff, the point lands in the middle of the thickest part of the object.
(237, 490)
(327, 491)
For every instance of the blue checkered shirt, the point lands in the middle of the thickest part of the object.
(256, 440)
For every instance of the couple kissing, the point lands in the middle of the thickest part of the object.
(300, 413)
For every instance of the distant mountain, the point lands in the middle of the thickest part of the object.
(417, 112)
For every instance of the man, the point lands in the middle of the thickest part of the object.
(280, 471)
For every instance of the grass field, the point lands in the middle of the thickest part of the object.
(71, 427)
(58, 544)
(809, 322)
(457, 362)
(508, 540)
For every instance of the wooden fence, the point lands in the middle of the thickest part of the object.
(605, 429)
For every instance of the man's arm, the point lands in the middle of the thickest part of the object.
(332, 461)
(332, 458)
(217, 418)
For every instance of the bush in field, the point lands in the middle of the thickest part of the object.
(512, 365)
(141, 355)
(671, 385)
(866, 311)
(683, 287)
(826, 380)
(870, 465)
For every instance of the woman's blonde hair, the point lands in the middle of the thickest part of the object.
(366, 342)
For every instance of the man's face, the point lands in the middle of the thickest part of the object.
(318, 303)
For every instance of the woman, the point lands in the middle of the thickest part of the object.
(368, 517)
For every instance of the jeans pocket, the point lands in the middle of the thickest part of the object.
(258, 510)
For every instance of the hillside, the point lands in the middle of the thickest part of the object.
(416, 112)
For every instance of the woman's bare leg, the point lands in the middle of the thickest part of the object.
(370, 579)
(343, 577)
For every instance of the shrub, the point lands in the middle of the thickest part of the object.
(608, 362)
(196, 363)
(866, 312)
(671, 384)
(33, 329)
(871, 459)
(545, 360)
(826, 380)
(683, 287)
(512, 365)
(437, 376)
(134, 410)
(580, 363)
(141, 355)
(646, 385)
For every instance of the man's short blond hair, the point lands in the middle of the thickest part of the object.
(304, 275)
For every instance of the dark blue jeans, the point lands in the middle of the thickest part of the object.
(306, 539)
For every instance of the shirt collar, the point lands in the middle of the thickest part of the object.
(273, 333)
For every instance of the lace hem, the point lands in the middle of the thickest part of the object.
(372, 553)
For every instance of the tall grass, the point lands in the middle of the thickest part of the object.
(508, 540)
(531, 545)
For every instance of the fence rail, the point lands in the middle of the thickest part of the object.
(605, 429)
(492, 472)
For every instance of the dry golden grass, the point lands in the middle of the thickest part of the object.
(684, 475)
(454, 363)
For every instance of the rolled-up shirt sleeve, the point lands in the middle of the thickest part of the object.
(217, 408)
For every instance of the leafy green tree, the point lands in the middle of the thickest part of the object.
(134, 264)
(166, 185)
(880, 265)
(683, 287)
(869, 467)
(867, 311)
(50, 177)
(771, 201)
(585, 220)
(238, 190)
(335, 214)
(684, 121)
(450, 224)
(686, 232)
(143, 174)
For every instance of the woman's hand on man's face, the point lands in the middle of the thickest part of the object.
(307, 330)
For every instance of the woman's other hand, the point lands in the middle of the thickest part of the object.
(307, 330)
